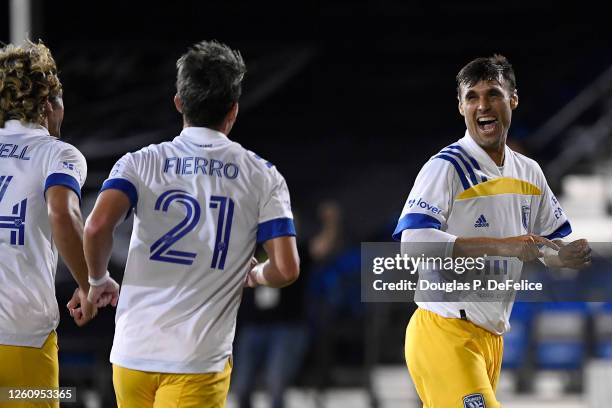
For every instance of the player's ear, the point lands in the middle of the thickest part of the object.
(460, 106)
(48, 108)
(514, 100)
(178, 103)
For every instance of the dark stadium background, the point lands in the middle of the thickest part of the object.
(347, 98)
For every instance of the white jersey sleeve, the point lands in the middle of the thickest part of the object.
(431, 198)
(275, 216)
(67, 167)
(551, 221)
(124, 177)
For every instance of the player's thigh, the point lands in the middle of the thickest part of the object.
(134, 388)
(194, 390)
(30, 367)
(445, 364)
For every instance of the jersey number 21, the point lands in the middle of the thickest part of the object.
(161, 250)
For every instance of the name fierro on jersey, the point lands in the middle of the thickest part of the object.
(201, 165)
(9, 151)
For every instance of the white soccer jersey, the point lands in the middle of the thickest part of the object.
(31, 161)
(463, 192)
(201, 203)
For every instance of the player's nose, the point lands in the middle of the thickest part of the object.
(483, 104)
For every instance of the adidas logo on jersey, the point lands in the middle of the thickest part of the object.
(481, 222)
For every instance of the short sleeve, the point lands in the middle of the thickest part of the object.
(430, 199)
(67, 168)
(123, 177)
(275, 216)
(551, 221)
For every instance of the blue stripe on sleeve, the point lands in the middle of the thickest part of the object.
(124, 186)
(563, 231)
(414, 221)
(465, 163)
(63, 179)
(457, 167)
(278, 227)
(462, 150)
(470, 158)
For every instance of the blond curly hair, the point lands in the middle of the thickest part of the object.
(28, 78)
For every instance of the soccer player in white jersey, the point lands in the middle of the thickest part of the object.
(40, 189)
(477, 197)
(201, 203)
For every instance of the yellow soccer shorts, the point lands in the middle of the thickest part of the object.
(453, 363)
(30, 367)
(143, 389)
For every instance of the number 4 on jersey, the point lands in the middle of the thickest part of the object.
(15, 222)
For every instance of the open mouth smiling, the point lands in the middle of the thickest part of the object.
(487, 124)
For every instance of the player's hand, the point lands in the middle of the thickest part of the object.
(81, 310)
(250, 278)
(527, 247)
(576, 254)
(105, 294)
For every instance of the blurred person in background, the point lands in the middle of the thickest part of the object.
(334, 297)
(40, 190)
(272, 337)
(330, 239)
(201, 204)
(478, 197)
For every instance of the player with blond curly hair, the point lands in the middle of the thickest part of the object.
(40, 188)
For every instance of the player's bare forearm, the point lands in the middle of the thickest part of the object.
(474, 247)
(67, 228)
(479, 246)
(275, 277)
(283, 266)
(524, 247)
(109, 211)
(98, 245)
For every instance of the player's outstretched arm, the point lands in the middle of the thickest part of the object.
(109, 211)
(66, 223)
(282, 267)
(525, 247)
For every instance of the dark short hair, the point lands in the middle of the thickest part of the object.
(492, 68)
(209, 82)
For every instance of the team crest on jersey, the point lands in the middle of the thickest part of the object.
(474, 401)
(525, 212)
